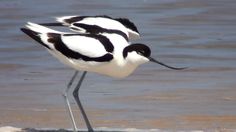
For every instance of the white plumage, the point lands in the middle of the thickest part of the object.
(90, 46)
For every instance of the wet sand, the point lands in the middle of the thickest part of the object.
(197, 34)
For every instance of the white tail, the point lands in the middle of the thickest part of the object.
(40, 29)
(62, 19)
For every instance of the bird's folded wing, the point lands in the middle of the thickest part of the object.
(85, 47)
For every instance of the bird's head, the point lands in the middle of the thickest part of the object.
(140, 53)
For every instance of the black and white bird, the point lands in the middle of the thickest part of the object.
(98, 25)
(106, 52)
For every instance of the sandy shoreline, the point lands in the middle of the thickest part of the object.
(42, 114)
(57, 118)
(15, 129)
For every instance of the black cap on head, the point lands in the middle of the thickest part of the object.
(139, 48)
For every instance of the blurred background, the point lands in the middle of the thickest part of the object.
(199, 34)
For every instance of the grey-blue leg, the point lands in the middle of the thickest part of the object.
(76, 96)
(65, 95)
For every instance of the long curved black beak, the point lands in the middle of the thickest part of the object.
(158, 62)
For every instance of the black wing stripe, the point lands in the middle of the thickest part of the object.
(51, 24)
(94, 29)
(127, 23)
(79, 18)
(34, 35)
(74, 19)
(61, 47)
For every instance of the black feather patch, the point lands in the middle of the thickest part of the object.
(139, 48)
(128, 24)
(79, 18)
(34, 35)
(94, 29)
(74, 19)
(51, 24)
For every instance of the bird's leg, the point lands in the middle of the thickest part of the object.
(65, 95)
(76, 96)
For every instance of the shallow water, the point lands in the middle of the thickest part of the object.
(197, 34)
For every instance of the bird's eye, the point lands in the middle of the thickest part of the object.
(141, 52)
